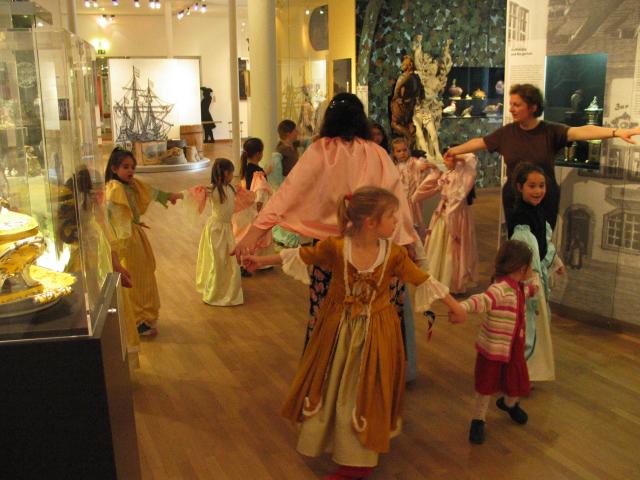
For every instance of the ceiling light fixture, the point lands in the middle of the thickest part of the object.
(87, 4)
(136, 3)
(115, 3)
(203, 8)
(180, 14)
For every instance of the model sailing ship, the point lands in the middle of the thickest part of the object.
(140, 114)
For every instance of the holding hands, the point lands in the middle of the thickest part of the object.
(174, 197)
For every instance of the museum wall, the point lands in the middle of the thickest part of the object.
(478, 33)
(205, 36)
(598, 231)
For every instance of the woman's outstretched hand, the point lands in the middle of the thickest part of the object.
(627, 133)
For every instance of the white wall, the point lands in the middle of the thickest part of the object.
(205, 36)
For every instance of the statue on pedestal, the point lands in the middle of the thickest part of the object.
(428, 113)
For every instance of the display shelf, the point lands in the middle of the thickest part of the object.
(493, 118)
(174, 168)
(580, 165)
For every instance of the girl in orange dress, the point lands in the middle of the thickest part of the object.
(348, 390)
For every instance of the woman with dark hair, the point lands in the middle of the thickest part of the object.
(343, 159)
(529, 139)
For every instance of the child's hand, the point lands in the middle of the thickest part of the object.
(174, 197)
(457, 314)
(252, 262)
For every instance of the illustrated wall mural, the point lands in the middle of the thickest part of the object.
(152, 97)
(388, 30)
(599, 220)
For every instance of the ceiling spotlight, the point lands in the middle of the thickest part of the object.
(115, 3)
(196, 6)
(180, 14)
(87, 4)
(203, 8)
(307, 12)
(188, 11)
(95, 4)
(158, 4)
(136, 3)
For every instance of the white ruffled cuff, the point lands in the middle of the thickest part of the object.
(293, 265)
(427, 293)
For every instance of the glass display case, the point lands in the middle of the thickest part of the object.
(302, 39)
(54, 254)
(474, 92)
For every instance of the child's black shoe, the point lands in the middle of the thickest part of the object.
(476, 432)
(516, 413)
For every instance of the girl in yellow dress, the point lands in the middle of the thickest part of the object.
(348, 390)
(127, 200)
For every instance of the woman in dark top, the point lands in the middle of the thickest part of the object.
(529, 139)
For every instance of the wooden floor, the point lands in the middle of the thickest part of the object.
(209, 387)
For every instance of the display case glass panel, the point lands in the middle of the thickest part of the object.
(302, 38)
(55, 255)
(574, 95)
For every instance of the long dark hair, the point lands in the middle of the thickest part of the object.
(345, 118)
(218, 173)
(512, 256)
(520, 175)
(385, 139)
(251, 147)
(118, 155)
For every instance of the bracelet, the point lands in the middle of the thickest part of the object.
(613, 133)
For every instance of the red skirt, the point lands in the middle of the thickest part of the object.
(511, 378)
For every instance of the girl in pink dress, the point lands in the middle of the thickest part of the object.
(450, 244)
(412, 170)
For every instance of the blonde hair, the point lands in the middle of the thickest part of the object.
(364, 203)
(399, 140)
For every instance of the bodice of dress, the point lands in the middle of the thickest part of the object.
(409, 175)
(455, 185)
(221, 212)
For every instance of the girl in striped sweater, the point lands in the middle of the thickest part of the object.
(500, 362)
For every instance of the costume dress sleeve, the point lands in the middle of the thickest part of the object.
(295, 261)
(119, 215)
(428, 289)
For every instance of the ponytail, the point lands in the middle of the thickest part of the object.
(366, 202)
(250, 149)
